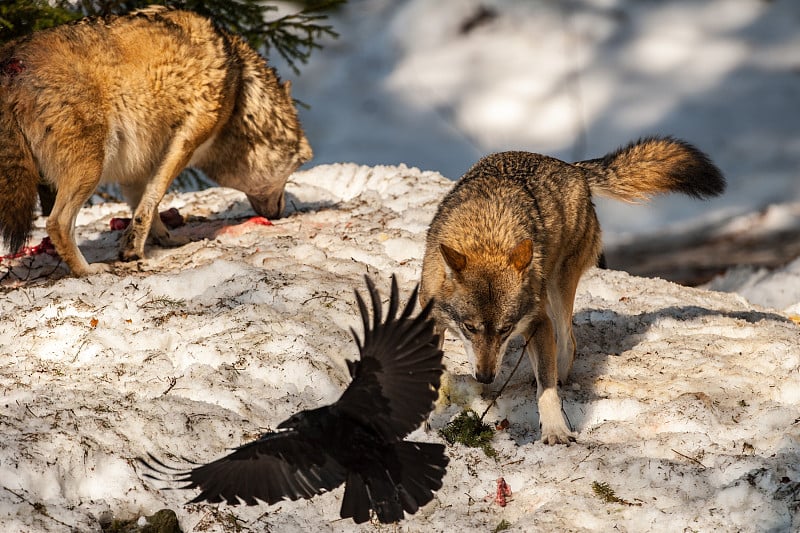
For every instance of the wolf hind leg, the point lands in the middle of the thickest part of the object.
(74, 189)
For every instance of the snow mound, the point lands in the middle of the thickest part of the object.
(686, 401)
(778, 288)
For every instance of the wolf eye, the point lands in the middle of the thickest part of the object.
(470, 327)
(505, 330)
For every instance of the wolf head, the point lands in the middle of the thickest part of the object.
(265, 186)
(486, 299)
(262, 143)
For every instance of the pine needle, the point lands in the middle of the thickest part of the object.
(606, 493)
(468, 429)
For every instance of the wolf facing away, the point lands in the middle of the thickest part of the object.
(134, 100)
(509, 243)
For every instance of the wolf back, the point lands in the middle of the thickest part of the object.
(509, 243)
(133, 100)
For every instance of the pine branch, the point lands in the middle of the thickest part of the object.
(607, 494)
(296, 35)
(21, 17)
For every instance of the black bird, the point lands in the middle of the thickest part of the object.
(358, 440)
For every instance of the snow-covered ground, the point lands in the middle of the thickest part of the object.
(436, 85)
(686, 401)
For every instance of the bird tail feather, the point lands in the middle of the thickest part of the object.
(423, 467)
(356, 503)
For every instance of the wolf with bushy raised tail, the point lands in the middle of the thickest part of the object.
(134, 100)
(509, 243)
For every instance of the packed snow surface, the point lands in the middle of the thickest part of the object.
(686, 401)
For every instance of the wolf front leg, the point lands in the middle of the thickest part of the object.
(158, 231)
(560, 301)
(542, 352)
(178, 154)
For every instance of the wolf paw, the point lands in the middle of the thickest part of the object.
(171, 241)
(91, 269)
(565, 437)
(557, 432)
(128, 254)
(555, 428)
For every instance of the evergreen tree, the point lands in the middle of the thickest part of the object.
(20, 17)
(293, 36)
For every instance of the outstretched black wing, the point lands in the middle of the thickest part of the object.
(396, 380)
(393, 389)
(277, 466)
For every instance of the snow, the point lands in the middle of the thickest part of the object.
(685, 400)
(779, 288)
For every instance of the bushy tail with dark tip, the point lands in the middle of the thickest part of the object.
(18, 180)
(654, 165)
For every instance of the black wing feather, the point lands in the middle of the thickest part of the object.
(277, 466)
(356, 503)
(396, 380)
(393, 389)
(423, 467)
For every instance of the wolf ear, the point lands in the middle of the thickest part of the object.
(287, 88)
(520, 257)
(455, 260)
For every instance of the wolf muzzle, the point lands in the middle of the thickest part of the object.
(268, 206)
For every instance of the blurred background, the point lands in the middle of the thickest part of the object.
(437, 85)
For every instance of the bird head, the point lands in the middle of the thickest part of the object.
(308, 420)
(293, 421)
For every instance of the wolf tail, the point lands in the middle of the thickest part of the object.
(18, 181)
(651, 166)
